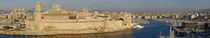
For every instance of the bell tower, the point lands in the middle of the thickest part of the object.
(37, 16)
(37, 12)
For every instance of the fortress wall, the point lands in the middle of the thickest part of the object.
(128, 20)
(72, 26)
(107, 26)
(114, 26)
(83, 20)
(29, 25)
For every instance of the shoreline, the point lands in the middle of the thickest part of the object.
(46, 33)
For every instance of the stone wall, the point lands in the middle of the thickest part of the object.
(71, 25)
(100, 26)
(114, 26)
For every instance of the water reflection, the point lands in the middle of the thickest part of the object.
(122, 34)
(9, 36)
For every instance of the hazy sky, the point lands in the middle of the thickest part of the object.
(114, 4)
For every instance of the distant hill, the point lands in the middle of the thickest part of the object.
(203, 11)
(146, 10)
(4, 11)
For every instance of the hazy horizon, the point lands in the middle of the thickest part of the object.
(109, 4)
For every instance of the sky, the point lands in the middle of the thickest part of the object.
(110, 4)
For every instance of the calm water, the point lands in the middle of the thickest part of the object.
(153, 30)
